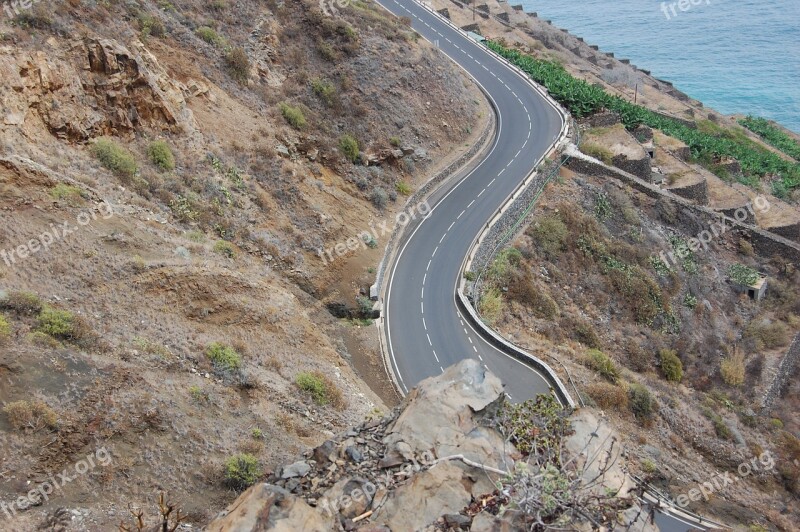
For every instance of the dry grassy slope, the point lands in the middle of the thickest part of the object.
(560, 302)
(147, 280)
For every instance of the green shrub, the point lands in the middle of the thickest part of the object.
(325, 90)
(767, 335)
(671, 365)
(403, 188)
(534, 425)
(242, 471)
(223, 357)
(772, 135)
(689, 301)
(22, 303)
(238, 64)
(115, 158)
(5, 329)
(395, 141)
(223, 247)
(491, 305)
(550, 235)
(161, 155)
(348, 145)
(602, 364)
(59, 324)
(211, 36)
(293, 115)
(62, 191)
(321, 389)
(648, 466)
(641, 402)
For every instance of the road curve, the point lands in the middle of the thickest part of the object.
(424, 330)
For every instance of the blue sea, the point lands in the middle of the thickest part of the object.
(736, 56)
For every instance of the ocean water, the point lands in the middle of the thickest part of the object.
(736, 56)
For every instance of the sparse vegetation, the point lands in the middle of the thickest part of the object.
(223, 247)
(732, 369)
(320, 388)
(224, 358)
(22, 303)
(608, 396)
(30, 415)
(325, 90)
(161, 155)
(238, 64)
(379, 197)
(293, 115)
(211, 37)
(61, 325)
(115, 158)
(598, 152)
(602, 364)
(70, 193)
(671, 365)
(743, 275)
(641, 402)
(550, 234)
(403, 188)
(242, 471)
(491, 305)
(5, 329)
(348, 145)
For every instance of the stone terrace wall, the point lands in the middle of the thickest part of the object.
(785, 370)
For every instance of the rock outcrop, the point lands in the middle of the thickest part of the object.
(434, 464)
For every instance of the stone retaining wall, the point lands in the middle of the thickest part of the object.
(765, 243)
(697, 192)
(785, 370)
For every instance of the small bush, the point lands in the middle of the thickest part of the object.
(22, 303)
(395, 141)
(671, 365)
(115, 158)
(732, 369)
(293, 115)
(348, 145)
(224, 358)
(325, 90)
(608, 396)
(550, 235)
(403, 188)
(62, 191)
(602, 364)
(30, 415)
(242, 471)
(491, 305)
(585, 334)
(62, 325)
(379, 197)
(223, 247)
(648, 466)
(5, 329)
(321, 389)
(767, 335)
(211, 36)
(641, 402)
(238, 64)
(161, 155)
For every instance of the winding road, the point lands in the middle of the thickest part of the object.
(425, 332)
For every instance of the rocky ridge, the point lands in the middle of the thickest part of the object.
(438, 462)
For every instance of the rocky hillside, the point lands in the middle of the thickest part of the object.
(453, 456)
(169, 174)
